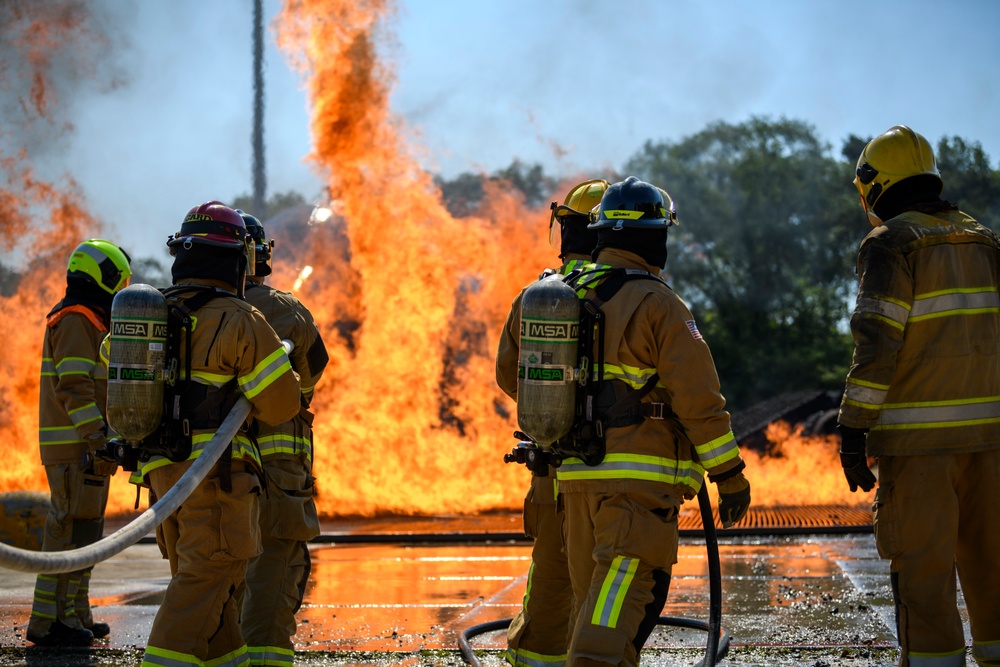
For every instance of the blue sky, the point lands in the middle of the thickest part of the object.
(576, 85)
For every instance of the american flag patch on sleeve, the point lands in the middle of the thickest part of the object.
(693, 328)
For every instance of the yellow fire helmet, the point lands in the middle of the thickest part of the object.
(579, 202)
(897, 154)
(100, 262)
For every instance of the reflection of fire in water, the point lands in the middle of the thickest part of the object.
(410, 301)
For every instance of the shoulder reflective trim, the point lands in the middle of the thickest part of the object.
(161, 657)
(86, 414)
(950, 659)
(955, 302)
(865, 394)
(523, 657)
(613, 591)
(213, 379)
(718, 451)
(265, 373)
(271, 656)
(58, 435)
(892, 311)
(631, 375)
(939, 414)
(984, 651)
(634, 466)
(75, 366)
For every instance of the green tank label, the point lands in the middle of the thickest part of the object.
(544, 374)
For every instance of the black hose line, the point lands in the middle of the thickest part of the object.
(717, 646)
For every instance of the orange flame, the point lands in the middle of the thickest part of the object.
(799, 470)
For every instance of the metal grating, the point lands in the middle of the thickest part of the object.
(817, 519)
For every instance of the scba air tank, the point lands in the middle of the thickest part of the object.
(136, 361)
(546, 386)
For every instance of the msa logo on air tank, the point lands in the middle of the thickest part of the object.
(138, 329)
(550, 331)
(124, 373)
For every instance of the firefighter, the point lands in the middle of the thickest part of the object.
(72, 428)
(276, 579)
(922, 397)
(212, 536)
(620, 509)
(538, 634)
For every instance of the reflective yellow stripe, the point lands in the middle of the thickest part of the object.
(939, 414)
(265, 373)
(983, 651)
(946, 303)
(525, 658)
(213, 379)
(283, 443)
(58, 435)
(614, 591)
(949, 659)
(86, 414)
(633, 376)
(865, 394)
(271, 656)
(634, 466)
(718, 451)
(74, 366)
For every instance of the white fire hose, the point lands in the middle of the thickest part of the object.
(53, 562)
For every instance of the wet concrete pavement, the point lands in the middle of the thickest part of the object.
(405, 598)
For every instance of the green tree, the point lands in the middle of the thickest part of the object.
(463, 194)
(969, 180)
(765, 250)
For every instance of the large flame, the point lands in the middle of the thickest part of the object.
(410, 301)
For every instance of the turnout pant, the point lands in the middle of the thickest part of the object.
(75, 519)
(276, 579)
(538, 635)
(935, 515)
(620, 547)
(208, 541)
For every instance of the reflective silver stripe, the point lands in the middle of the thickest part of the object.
(74, 366)
(718, 451)
(864, 395)
(984, 651)
(91, 252)
(58, 435)
(85, 415)
(940, 414)
(271, 656)
(613, 591)
(956, 659)
(958, 302)
(265, 373)
(634, 466)
(884, 308)
(524, 658)
(48, 367)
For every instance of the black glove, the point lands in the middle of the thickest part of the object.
(853, 459)
(734, 499)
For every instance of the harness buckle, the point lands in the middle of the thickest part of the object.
(656, 410)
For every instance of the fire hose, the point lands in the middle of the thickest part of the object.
(53, 562)
(717, 646)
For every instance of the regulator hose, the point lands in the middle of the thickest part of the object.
(717, 646)
(53, 562)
